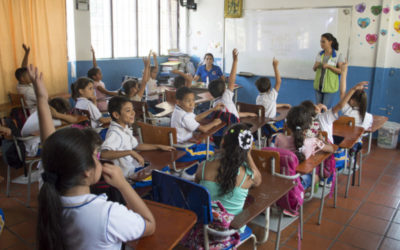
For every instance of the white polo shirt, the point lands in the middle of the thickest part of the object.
(354, 112)
(29, 96)
(326, 120)
(185, 124)
(151, 87)
(121, 139)
(95, 115)
(227, 100)
(268, 100)
(92, 222)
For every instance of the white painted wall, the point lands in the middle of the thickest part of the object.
(206, 29)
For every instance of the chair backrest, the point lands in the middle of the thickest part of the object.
(17, 99)
(245, 107)
(324, 134)
(346, 120)
(170, 96)
(266, 159)
(157, 135)
(178, 192)
(141, 110)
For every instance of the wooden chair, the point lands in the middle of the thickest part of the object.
(141, 110)
(251, 108)
(346, 120)
(170, 96)
(19, 100)
(269, 161)
(165, 136)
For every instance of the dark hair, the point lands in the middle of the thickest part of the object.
(182, 92)
(208, 54)
(81, 83)
(115, 105)
(92, 72)
(360, 97)
(179, 82)
(127, 86)
(310, 107)
(152, 68)
(233, 157)
(216, 87)
(298, 120)
(331, 38)
(263, 84)
(19, 73)
(61, 105)
(66, 154)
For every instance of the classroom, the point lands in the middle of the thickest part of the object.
(199, 124)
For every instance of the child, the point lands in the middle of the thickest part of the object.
(298, 121)
(267, 98)
(186, 122)
(24, 86)
(151, 87)
(229, 176)
(83, 93)
(59, 111)
(182, 79)
(76, 218)
(224, 95)
(99, 86)
(357, 107)
(119, 144)
(130, 87)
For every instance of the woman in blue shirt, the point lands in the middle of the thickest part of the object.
(208, 69)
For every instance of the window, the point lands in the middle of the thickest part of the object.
(130, 28)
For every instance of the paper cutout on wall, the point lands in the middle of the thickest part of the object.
(360, 7)
(363, 22)
(396, 7)
(376, 10)
(396, 47)
(383, 32)
(386, 10)
(396, 26)
(371, 38)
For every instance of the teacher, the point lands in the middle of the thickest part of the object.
(208, 70)
(327, 67)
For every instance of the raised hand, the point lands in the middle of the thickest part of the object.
(235, 54)
(275, 62)
(26, 48)
(361, 86)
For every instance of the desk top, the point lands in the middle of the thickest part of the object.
(61, 95)
(308, 165)
(258, 122)
(198, 137)
(377, 123)
(172, 224)
(351, 134)
(270, 191)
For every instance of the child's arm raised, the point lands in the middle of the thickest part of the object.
(113, 175)
(93, 57)
(155, 61)
(343, 80)
(232, 76)
(45, 120)
(188, 77)
(346, 98)
(278, 79)
(24, 63)
(145, 77)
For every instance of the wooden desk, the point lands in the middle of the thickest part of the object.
(61, 95)
(377, 123)
(270, 191)
(7, 107)
(172, 224)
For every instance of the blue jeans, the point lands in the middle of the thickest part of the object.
(306, 180)
(324, 98)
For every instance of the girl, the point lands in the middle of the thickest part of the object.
(229, 176)
(327, 67)
(298, 122)
(151, 87)
(69, 217)
(208, 71)
(101, 91)
(130, 87)
(83, 93)
(357, 108)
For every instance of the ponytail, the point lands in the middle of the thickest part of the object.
(331, 38)
(360, 97)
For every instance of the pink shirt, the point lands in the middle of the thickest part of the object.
(310, 146)
(102, 102)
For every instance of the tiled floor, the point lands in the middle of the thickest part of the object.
(368, 219)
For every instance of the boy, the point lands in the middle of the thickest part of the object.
(268, 97)
(182, 79)
(119, 143)
(186, 122)
(24, 86)
(152, 92)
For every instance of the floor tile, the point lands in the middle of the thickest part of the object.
(390, 180)
(375, 210)
(343, 246)
(394, 231)
(390, 244)
(25, 230)
(397, 217)
(346, 203)
(355, 192)
(7, 239)
(359, 238)
(337, 215)
(384, 200)
(327, 228)
(15, 212)
(310, 241)
(370, 224)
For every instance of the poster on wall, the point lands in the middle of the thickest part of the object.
(233, 8)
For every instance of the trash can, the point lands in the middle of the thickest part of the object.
(388, 135)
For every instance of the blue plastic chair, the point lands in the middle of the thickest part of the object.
(178, 192)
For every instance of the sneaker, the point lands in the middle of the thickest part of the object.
(288, 213)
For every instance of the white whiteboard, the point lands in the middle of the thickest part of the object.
(292, 36)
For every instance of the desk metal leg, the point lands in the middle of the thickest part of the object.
(278, 232)
(259, 138)
(321, 208)
(335, 194)
(208, 147)
(266, 227)
(369, 143)
(348, 177)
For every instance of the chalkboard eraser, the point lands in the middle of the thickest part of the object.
(246, 74)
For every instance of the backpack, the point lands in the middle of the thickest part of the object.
(293, 200)
(226, 117)
(221, 222)
(11, 156)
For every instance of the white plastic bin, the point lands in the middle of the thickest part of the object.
(388, 135)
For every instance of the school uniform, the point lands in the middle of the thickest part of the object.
(185, 124)
(152, 100)
(354, 112)
(227, 100)
(95, 115)
(268, 101)
(92, 222)
(29, 96)
(101, 98)
(214, 74)
(121, 139)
